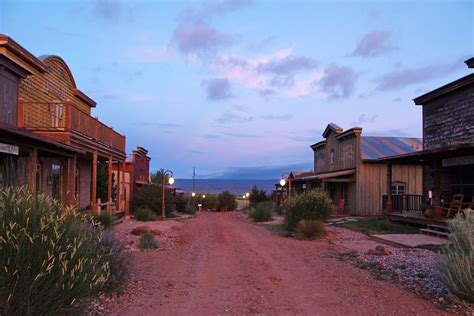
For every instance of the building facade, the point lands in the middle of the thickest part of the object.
(40, 100)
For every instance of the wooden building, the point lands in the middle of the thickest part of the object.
(135, 174)
(47, 122)
(348, 165)
(448, 150)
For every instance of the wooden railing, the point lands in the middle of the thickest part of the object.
(65, 116)
(404, 202)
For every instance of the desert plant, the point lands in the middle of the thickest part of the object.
(226, 202)
(257, 196)
(180, 203)
(63, 259)
(144, 215)
(262, 212)
(313, 204)
(150, 197)
(456, 265)
(189, 209)
(310, 229)
(147, 241)
(105, 218)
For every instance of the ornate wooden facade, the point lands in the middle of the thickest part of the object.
(40, 96)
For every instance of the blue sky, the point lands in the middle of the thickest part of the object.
(241, 88)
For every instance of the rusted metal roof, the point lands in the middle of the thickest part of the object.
(375, 147)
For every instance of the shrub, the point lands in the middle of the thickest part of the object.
(208, 203)
(314, 204)
(63, 260)
(144, 215)
(147, 241)
(189, 209)
(105, 218)
(310, 229)
(149, 196)
(180, 202)
(257, 196)
(456, 265)
(262, 212)
(226, 202)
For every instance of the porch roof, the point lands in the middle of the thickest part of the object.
(334, 174)
(425, 156)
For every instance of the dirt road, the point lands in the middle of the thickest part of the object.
(224, 265)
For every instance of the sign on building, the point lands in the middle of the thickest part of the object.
(8, 149)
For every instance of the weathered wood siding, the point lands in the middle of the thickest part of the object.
(344, 154)
(8, 97)
(372, 184)
(449, 120)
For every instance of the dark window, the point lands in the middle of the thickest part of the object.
(332, 156)
(398, 188)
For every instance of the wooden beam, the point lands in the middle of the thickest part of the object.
(71, 181)
(118, 186)
(437, 187)
(109, 183)
(389, 189)
(32, 163)
(123, 187)
(94, 180)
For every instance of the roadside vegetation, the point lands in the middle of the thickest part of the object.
(262, 212)
(456, 264)
(104, 218)
(311, 205)
(310, 229)
(147, 241)
(379, 226)
(144, 215)
(150, 197)
(53, 259)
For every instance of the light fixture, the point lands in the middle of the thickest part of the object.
(243, 196)
(247, 194)
(193, 194)
(282, 182)
(171, 180)
(203, 196)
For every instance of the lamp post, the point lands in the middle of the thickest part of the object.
(283, 183)
(247, 195)
(170, 181)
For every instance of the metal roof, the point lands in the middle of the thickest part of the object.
(374, 147)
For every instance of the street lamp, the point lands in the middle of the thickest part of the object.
(193, 194)
(170, 181)
(283, 182)
(247, 195)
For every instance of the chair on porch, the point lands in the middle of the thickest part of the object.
(339, 209)
(454, 206)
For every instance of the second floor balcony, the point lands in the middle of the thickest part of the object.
(63, 120)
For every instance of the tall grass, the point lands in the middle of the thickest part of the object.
(52, 260)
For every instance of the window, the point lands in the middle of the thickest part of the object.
(56, 181)
(398, 188)
(332, 156)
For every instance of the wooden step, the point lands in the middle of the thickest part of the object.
(438, 227)
(434, 233)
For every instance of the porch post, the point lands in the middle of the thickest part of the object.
(123, 187)
(32, 162)
(437, 188)
(109, 184)
(389, 189)
(71, 181)
(94, 181)
(118, 185)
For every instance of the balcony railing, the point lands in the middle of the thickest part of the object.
(42, 116)
(404, 202)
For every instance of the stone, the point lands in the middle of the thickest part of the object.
(140, 230)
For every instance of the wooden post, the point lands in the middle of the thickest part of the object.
(437, 188)
(32, 163)
(118, 185)
(289, 188)
(94, 179)
(71, 181)
(123, 187)
(109, 184)
(21, 113)
(389, 189)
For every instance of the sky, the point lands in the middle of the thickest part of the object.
(242, 88)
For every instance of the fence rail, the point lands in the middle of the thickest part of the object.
(404, 202)
(67, 117)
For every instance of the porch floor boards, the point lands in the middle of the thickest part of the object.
(416, 218)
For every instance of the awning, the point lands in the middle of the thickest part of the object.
(329, 175)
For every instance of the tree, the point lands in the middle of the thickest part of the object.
(257, 196)
(103, 181)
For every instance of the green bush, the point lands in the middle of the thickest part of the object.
(53, 261)
(262, 212)
(189, 209)
(180, 203)
(226, 202)
(310, 229)
(150, 197)
(105, 218)
(313, 204)
(147, 241)
(257, 196)
(144, 215)
(456, 265)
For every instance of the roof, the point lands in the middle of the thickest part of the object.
(332, 128)
(334, 174)
(376, 147)
(450, 87)
(301, 174)
(470, 62)
(424, 156)
(21, 52)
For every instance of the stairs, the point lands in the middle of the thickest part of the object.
(117, 217)
(435, 230)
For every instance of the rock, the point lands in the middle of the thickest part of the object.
(379, 251)
(140, 230)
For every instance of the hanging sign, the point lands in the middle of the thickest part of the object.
(458, 161)
(8, 149)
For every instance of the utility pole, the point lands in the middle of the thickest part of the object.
(194, 179)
